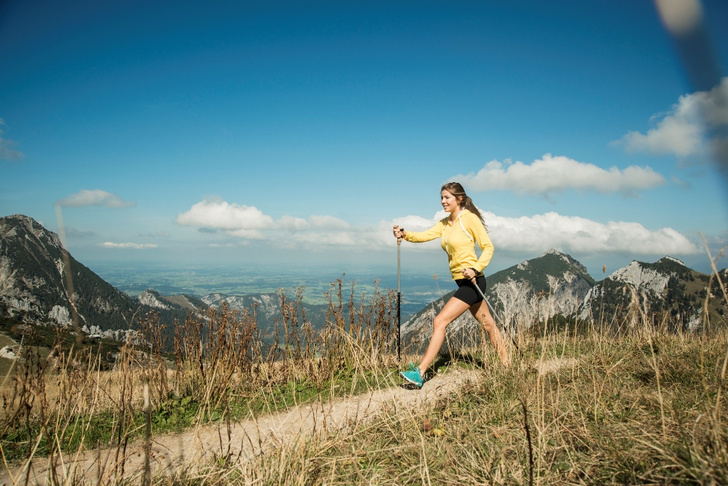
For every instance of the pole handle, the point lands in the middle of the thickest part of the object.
(399, 240)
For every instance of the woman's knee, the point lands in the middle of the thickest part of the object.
(440, 323)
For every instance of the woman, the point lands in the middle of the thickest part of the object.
(459, 232)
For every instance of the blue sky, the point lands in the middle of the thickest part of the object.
(290, 134)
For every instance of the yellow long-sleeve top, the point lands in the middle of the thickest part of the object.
(458, 241)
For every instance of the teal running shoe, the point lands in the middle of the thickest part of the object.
(413, 375)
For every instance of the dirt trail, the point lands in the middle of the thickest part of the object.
(170, 453)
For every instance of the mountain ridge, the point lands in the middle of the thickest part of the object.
(39, 278)
(562, 287)
(35, 287)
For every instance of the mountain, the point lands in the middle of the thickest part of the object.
(152, 298)
(41, 283)
(666, 287)
(555, 284)
(536, 289)
(268, 314)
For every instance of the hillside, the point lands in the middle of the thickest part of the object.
(663, 288)
(44, 288)
(42, 284)
(555, 285)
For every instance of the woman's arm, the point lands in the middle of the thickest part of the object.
(422, 236)
(480, 235)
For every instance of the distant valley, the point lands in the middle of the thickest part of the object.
(230, 280)
(41, 284)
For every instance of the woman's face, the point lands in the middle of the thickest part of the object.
(449, 202)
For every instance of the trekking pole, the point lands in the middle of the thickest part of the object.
(475, 284)
(399, 301)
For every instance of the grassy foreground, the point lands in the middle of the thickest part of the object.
(647, 408)
(578, 405)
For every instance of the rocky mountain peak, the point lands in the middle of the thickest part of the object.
(151, 298)
(40, 283)
(20, 226)
(641, 276)
(665, 286)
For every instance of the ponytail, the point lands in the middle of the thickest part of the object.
(470, 206)
(457, 190)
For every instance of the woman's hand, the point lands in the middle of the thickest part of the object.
(398, 232)
(470, 273)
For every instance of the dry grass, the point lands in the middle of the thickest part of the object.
(220, 369)
(641, 406)
(643, 409)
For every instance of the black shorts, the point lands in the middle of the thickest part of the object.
(467, 292)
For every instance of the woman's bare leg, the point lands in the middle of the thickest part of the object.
(482, 314)
(453, 309)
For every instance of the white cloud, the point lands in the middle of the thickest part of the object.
(155, 234)
(418, 223)
(7, 147)
(328, 222)
(695, 125)
(130, 246)
(312, 240)
(293, 223)
(528, 235)
(218, 214)
(536, 234)
(583, 236)
(95, 197)
(249, 223)
(551, 174)
(246, 234)
(673, 134)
